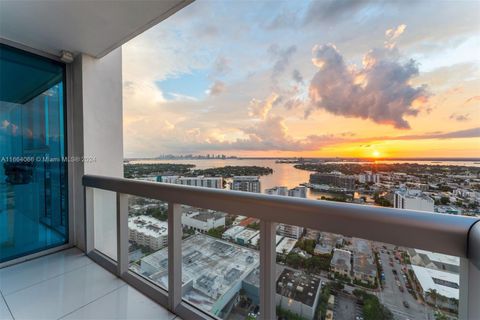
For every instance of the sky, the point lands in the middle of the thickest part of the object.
(306, 79)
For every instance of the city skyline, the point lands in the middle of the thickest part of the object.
(306, 79)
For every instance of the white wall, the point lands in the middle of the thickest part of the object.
(98, 133)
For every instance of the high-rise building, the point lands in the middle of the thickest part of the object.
(368, 176)
(298, 192)
(412, 200)
(333, 179)
(277, 191)
(200, 181)
(246, 183)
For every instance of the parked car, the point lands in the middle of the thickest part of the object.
(405, 304)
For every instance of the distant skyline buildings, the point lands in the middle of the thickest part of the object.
(391, 81)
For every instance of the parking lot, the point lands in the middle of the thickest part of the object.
(346, 308)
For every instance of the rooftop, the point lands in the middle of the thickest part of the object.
(148, 225)
(203, 214)
(298, 285)
(439, 257)
(211, 268)
(341, 258)
(286, 245)
(446, 283)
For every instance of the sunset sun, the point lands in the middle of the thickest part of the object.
(376, 154)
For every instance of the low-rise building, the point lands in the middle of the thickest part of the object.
(341, 262)
(202, 220)
(290, 231)
(446, 286)
(148, 231)
(231, 233)
(285, 246)
(323, 249)
(434, 260)
(243, 237)
(364, 266)
(298, 292)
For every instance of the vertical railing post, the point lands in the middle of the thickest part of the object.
(89, 223)
(267, 269)
(174, 255)
(122, 234)
(469, 307)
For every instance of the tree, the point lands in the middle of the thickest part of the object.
(433, 294)
(216, 232)
(444, 200)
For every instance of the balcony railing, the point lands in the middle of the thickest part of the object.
(449, 234)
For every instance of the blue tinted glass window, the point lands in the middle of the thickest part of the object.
(33, 170)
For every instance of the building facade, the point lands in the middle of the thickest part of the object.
(246, 183)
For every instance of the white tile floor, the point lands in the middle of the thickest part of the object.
(68, 285)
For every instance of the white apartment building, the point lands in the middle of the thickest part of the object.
(202, 220)
(246, 183)
(368, 176)
(299, 192)
(148, 231)
(290, 231)
(277, 191)
(200, 181)
(413, 200)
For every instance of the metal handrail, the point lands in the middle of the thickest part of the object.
(441, 233)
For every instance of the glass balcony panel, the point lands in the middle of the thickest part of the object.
(325, 275)
(105, 222)
(220, 270)
(148, 239)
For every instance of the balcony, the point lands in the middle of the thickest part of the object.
(451, 235)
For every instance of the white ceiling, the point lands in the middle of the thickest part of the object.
(94, 27)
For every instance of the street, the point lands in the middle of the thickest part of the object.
(393, 298)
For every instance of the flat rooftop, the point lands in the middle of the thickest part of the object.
(286, 245)
(148, 226)
(440, 257)
(202, 214)
(211, 268)
(446, 283)
(298, 285)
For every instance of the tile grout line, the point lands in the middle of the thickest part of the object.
(50, 278)
(8, 307)
(104, 295)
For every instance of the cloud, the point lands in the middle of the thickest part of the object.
(221, 66)
(391, 35)
(297, 76)
(460, 117)
(472, 99)
(331, 10)
(217, 88)
(458, 134)
(379, 91)
(283, 57)
(285, 19)
(261, 108)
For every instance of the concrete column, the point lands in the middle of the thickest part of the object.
(97, 132)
